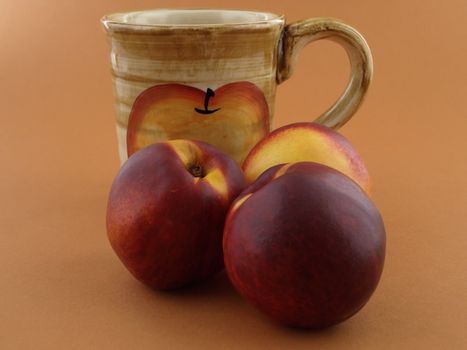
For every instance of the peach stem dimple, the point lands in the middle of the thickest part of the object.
(196, 171)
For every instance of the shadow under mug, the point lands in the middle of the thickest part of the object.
(211, 75)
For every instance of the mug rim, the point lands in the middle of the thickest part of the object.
(117, 21)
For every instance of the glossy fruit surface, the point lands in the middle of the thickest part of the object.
(305, 245)
(166, 211)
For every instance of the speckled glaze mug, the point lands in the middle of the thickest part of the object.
(211, 75)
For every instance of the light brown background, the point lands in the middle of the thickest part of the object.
(61, 286)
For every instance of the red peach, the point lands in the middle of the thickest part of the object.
(306, 142)
(166, 211)
(305, 245)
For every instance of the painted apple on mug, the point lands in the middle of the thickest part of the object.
(233, 117)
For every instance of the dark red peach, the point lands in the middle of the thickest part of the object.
(166, 212)
(305, 245)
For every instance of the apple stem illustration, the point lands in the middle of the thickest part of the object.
(209, 93)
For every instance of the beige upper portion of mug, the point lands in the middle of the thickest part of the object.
(182, 18)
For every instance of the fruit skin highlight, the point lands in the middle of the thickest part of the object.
(305, 245)
(306, 142)
(166, 212)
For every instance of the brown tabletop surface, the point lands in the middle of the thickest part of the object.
(62, 287)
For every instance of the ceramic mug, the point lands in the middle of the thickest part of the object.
(211, 75)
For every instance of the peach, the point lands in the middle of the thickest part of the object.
(305, 245)
(306, 142)
(166, 211)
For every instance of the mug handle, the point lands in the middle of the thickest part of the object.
(299, 34)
